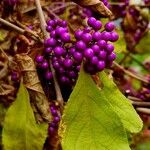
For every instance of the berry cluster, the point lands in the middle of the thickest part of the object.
(56, 118)
(57, 47)
(94, 47)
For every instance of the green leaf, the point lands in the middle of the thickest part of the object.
(89, 122)
(20, 131)
(121, 105)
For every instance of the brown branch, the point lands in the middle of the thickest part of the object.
(144, 104)
(131, 74)
(14, 27)
(143, 110)
(46, 35)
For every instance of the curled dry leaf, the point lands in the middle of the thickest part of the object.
(95, 5)
(6, 89)
(31, 81)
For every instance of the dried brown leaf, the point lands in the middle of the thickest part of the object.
(6, 89)
(31, 81)
(95, 5)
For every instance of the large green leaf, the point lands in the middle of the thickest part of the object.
(121, 105)
(89, 122)
(20, 131)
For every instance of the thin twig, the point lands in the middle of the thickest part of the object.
(16, 28)
(51, 12)
(144, 104)
(134, 98)
(20, 30)
(143, 110)
(46, 35)
(131, 74)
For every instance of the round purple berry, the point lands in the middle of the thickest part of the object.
(114, 36)
(88, 53)
(94, 60)
(44, 65)
(110, 26)
(78, 56)
(86, 37)
(59, 51)
(111, 57)
(109, 48)
(78, 34)
(39, 59)
(80, 45)
(95, 48)
(65, 37)
(100, 65)
(68, 63)
(48, 75)
(96, 36)
(102, 43)
(91, 21)
(97, 25)
(102, 55)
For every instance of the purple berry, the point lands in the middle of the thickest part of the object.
(109, 48)
(72, 74)
(110, 26)
(106, 36)
(114, 36)
(51, 42)
(56, 65)
(96, 36)
(80, 45)
(65, 37)
(97, 25)
(86, 37)
(51, 23)
(49, 28)
(102, 55)
(48, 50)
(64, 23)
(100, 65)
(51, 129)
(59, 51)
(39, 59)
(102, 43)
(95, 49)
(91, 21)
(78, 34)
(88, 53)
(78, 68)
(78, 56)
(68, 63)
(72, 50)
(94, 60)
(60, 30)
(44, 65)
(111, 57)
(48, 75)
(53, 34)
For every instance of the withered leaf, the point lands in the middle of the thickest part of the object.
(95, 5)
(31, 81)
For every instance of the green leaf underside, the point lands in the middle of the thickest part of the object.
(89, 122)
(120, 105)
(20, 131)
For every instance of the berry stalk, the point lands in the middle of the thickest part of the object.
(46, 35)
